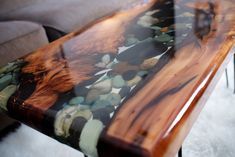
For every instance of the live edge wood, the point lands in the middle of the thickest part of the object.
(156, 116)
(160, 130)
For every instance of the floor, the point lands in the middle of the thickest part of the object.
(212, 135)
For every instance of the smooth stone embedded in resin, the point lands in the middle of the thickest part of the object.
(164, 29)
(125, 91)
(134, 81)
(76, 100)
(158, 32)
(15, 78)
(65, 117)
(128, 75)
(6, 68)
(69, 119)
(100, 104)
(110, 65)
(106, 59)
(103, 114)
(147, 21)
(80, 91)
(92, 96)
(100, 65)
(148, 63)
(60, 118)
(104, 86)
(163, 38)
(123, 67)
(142, 73)
(118, 81)
(75, 131)
(5, 95)
(114, 99)
(89, 137)
(5, 81)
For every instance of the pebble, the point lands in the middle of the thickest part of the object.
(142, 73)
(129, 74)
(69, 119)
(5, 94)
(118, 81)
(134, 81)
(103, 114)
(158, 32)
(110, 65)
(76, 100)
(65, 117)
(124, 91)
(114, 99)
(106, 59)
(60, 118)
(100, 65)
(92, 96)
(164, 29)
(103, 87)
(148, 63)
(147, 21)
(75, 131)
(5, 81)
(163, 38)
(89, 137)
(100, 104)
(7, 68)
(80, 90)
(15, 78)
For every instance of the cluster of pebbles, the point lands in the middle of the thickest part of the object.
(85, 115)
(9, 80)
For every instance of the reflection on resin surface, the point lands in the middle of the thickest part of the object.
(72, 91)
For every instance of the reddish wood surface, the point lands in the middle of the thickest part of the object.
(156, 117)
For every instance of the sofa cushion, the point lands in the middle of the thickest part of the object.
(7, 6)
(65, 15)
(19, 38)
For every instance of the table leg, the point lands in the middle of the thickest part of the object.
(180, 154)
(226, 75)
(234, 71)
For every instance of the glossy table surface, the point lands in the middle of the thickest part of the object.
(130, 84)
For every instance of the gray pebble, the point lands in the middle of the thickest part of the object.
(118, 81)
(106, 59)
(5, 95)
(76, 100)
(5, 81)
(114, 99)
(103, 87)
(100, 104)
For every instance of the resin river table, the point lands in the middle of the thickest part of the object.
(129, 85)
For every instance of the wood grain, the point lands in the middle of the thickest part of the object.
(157, 115)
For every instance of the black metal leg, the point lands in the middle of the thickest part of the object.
(85, 155)
(180, 154)
(226, 75)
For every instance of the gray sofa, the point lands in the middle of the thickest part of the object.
(19, 38)
(63, 15)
